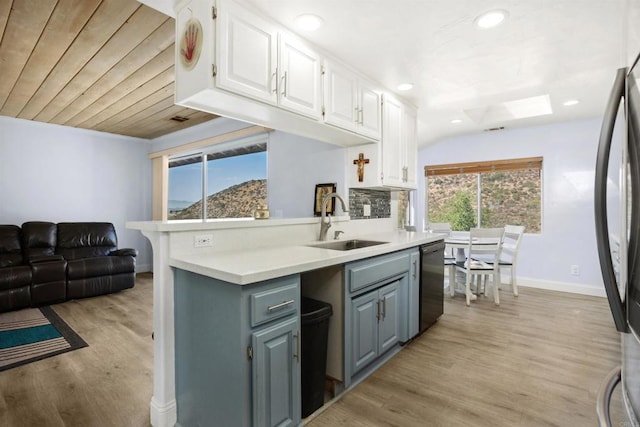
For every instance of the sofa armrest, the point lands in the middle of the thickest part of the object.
(45, 258)
(124, 252)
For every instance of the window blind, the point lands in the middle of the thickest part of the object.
(479, 167)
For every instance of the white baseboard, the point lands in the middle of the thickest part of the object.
(574, 288)
(163, 415)
(144, 268)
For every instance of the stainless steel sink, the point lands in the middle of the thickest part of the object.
(346, 245)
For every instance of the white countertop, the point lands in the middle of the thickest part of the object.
(255, 265)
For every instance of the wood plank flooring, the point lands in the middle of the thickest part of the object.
(108, 383)
(536, 360)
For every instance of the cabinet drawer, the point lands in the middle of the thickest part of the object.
(371, 271)
(273, 304)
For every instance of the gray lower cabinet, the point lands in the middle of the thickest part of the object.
(375, 324)
(378, 310)
(237, 352)
(276, 375)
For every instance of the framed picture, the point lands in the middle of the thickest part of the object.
(321, 191)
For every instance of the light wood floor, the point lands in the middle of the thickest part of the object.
(108, 383)
(536, 360)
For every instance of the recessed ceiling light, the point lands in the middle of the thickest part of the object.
(570, 102)
(491, 19)
(308, 22)
(456, 121)
(405, 86)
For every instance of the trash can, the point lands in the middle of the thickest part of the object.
(314, 335)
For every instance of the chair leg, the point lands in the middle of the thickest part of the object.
(452, 281)
(467, 290)
(496, 282)
(514, 285)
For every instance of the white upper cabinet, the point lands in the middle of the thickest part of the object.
(299, 77)
(236, 63)
(247, 53)
(391, 164)
(257, 60)
(350, 102)
(370, 103)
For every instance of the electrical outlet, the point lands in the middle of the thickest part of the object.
(575, 270)
(202, 240)
(366, 210)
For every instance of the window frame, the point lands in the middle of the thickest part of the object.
(477, 168)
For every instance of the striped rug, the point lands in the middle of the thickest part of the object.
(34, 334)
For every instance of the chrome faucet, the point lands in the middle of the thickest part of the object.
(325, 225)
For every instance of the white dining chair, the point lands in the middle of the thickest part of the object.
(509, 255)
(449, 257)
(483, 257)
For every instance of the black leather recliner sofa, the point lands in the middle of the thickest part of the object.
(45, 263)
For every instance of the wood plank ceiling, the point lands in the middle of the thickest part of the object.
(106, 65)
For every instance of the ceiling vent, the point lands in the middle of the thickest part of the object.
(179, 119)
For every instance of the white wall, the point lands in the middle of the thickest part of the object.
(295, 165)
(568, 231)
(59, 173)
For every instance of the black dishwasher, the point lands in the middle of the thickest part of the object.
(431, 284)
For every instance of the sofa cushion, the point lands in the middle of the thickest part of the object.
(15, 277)
(10, 249)
(39, 238)
(100, 266)
(86, 239)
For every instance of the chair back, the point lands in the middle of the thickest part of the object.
(486, 243)
(440, 227)
(511, 242)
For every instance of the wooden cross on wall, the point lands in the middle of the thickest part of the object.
(360, 161)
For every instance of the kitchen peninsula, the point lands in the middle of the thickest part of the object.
(226, 316)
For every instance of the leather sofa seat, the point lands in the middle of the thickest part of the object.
(44, 263)
(15, 275)
(95, 266)
(49, 270)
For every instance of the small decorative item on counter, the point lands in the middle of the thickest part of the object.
(261, 213)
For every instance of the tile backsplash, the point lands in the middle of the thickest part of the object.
(380, 202)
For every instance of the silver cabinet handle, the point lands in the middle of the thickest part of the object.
(361, 116)
(378, 313)
(296, 355)
(279, 306)
(273, 77)
(357, 116)
(384, 308)
(415, 270)
(284, 84)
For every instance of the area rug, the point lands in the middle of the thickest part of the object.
(34, 334)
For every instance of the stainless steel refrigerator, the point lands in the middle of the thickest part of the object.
(618, 236)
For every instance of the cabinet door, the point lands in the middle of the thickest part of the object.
(410, 135)
(370, 112)
(246, 53)
(389, 324)
(392, 152)
(276, 375)
(340, 103)
(364, 348)
(299, 74)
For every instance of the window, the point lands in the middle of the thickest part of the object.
(224, 181)
(486, 194)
